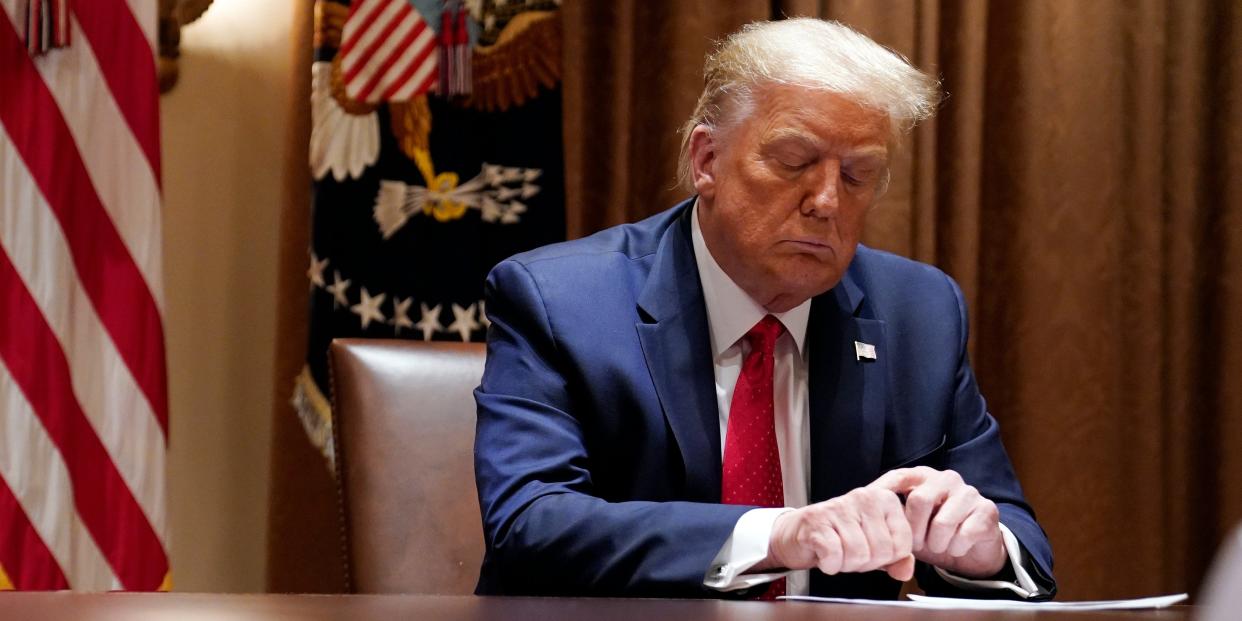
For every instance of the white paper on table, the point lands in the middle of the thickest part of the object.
(952, 603)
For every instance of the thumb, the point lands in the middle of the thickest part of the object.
(902, 570)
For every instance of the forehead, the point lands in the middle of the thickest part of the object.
(822, 119)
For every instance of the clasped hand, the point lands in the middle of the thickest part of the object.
(944, 522)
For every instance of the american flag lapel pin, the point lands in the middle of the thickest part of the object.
(864, 351)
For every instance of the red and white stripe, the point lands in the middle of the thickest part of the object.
(387, 52)
(83, 388)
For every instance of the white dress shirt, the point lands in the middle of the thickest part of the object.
(731, 313)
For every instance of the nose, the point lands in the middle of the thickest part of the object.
(821, 198)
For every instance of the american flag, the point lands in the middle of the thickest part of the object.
(387, 52)
(83, 397)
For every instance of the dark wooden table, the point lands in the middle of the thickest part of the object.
(211, 607)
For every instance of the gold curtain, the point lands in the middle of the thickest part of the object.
(633, 70)
(1082, 183)
(304, 532)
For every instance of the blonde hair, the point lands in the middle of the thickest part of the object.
(813, 54)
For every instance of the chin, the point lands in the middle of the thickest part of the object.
(793, 293)
(810, 275)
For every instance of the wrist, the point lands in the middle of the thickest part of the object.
(1000, 558)
(776, 557)
(985, 563)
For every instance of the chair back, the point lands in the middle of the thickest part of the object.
(403, 430)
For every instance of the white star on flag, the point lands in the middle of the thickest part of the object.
(368, 309)
(315, 273)
(430, 322)
(401, 314)
(463, 321)
(338, 288)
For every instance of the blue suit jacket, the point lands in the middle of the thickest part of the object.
(597, 453)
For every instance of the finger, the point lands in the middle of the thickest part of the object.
(876, 528)
(898, 529)
(855, 550)
(828, 553)
(978, 527)
(921, 505)
(902, 570)
(949, 517)
(902, 480)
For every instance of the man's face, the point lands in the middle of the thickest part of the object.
(784, 193)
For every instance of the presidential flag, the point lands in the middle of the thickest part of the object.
(436, 152)
(83, 400)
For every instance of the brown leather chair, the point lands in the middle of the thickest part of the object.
(403, 422)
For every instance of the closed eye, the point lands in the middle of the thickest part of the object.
(790, 157)
(792, 165)
(858, 178)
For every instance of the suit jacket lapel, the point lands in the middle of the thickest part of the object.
(677, 348)
(848, 395)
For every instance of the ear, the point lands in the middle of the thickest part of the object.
(702, 161)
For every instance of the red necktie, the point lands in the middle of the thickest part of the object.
(752, 461)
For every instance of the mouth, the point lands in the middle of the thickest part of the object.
(811, 246)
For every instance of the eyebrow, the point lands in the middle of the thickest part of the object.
(789, 134)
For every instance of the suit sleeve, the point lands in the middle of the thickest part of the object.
(546, 533)
(975, 451)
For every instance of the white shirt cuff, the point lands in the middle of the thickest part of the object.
(744, 548)
(1023, 587)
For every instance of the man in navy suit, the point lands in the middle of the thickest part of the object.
(734, 397)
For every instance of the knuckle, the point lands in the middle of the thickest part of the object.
(874, 498)
(833, 545)
(888, 504)
(834, 509)
(974, 530)
(806, 538)
(815, 513)
(815, 541)
(919, 498)
(990, 513)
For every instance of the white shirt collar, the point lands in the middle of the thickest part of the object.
(731, 312)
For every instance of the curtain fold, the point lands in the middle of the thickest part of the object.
(304, 531)
(633, 71)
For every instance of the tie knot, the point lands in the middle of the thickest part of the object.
(763, 336)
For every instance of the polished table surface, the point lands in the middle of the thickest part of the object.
(207, 607)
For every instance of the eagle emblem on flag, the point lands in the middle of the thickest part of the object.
(436, 152)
